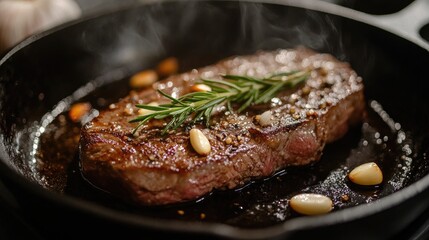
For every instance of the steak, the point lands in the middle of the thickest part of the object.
(153, 169)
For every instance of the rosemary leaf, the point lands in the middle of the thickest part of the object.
(267, 94)
(249, 79)
(153, 108)
(173, 100)
(222, 82)
(283, 74)
(207, 115)
(246, 104)
(210, 104)
(197, 106)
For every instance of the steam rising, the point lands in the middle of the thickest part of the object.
(202, 32)
(309, 29)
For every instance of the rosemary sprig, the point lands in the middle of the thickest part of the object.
(230, 89)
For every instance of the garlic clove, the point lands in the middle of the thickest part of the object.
(55, 12)
(168, 66)
(79, 110)
(367, 174)
(200, 88)
(20, 19)
(266, 118)
(199, 142)
(143, 111)
(311, 204)
(143, 79)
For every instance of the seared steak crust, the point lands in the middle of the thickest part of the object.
(151, 169)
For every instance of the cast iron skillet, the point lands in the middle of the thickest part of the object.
(41, 76)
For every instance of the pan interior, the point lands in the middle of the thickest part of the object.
(91, 62)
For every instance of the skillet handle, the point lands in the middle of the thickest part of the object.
(408, 21)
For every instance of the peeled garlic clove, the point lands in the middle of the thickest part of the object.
(143, 111)
(78, 111)
(367, 174)
(20, 19)
(199, 142)
(265, 119)
(143, 79)
(200, 88)
(168, 66)
(311, 204)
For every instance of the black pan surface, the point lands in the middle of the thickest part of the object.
(91, 60)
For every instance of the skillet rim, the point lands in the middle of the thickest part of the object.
(219, 229)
